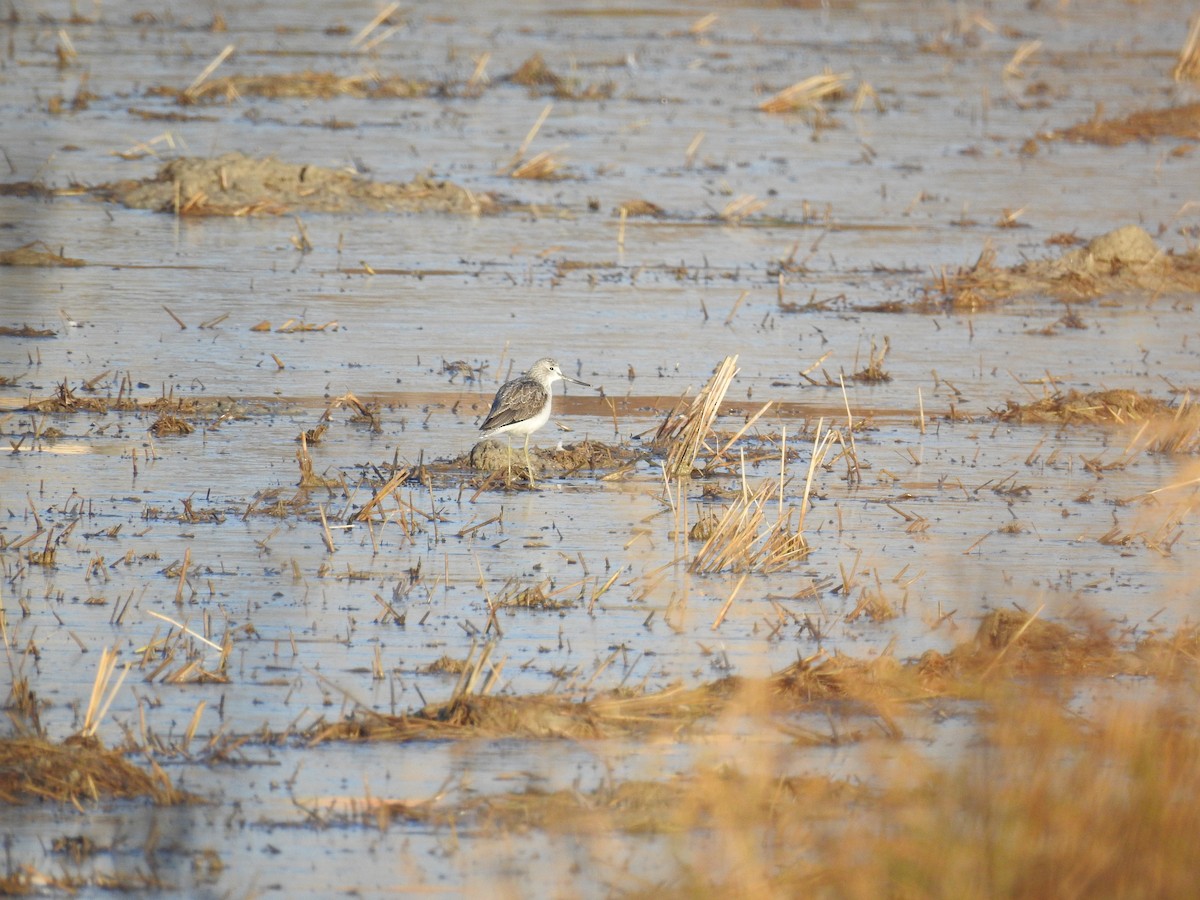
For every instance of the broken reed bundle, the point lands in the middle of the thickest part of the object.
(874, 372)
(398, 478)
(175, 657)
(1188, 66)
(741, 208)
(686, 433)
(807, 94)
(543, 165)
(472, 673)
(99, 703)
(741, 540)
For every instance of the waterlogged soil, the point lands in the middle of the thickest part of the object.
(252, 319)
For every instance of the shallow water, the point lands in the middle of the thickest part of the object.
(870, 209)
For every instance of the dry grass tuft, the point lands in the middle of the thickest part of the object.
(1091, 408)
(537, 75)
(308, 477)
(541, 166)
(809, 94)
(534, 72)
(1009, 644)
(1146, 125)
(539, 716)
(36, 253)
(744, 540)
(741, 208)
(634, 208)
(446, 665)
(169, 425)
(78, 770)
(684, 434)
(64, 400)
(539, 596)
(306, 85)
(873, 372)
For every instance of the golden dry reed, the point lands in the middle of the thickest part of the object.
(686, 433)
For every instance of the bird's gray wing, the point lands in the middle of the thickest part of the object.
(519, 399)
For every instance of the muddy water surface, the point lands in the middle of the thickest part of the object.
(951, 511)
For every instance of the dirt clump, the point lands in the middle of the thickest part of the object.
(497, 456)
(1123, 260)
(36, 253)
(240, 185)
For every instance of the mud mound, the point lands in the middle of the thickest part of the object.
(37, 254)
(585, 456)
(240, 185)
(34, 770)
(1126, 259)
(1125, 247)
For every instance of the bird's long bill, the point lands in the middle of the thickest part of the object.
(574, 380)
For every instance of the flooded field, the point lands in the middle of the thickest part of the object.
(878, 503)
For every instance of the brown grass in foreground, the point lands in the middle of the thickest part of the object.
(1046, 800)
(1046, 805)
(1009, 644)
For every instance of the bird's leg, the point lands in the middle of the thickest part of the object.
(528, 464)
(508, 459)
